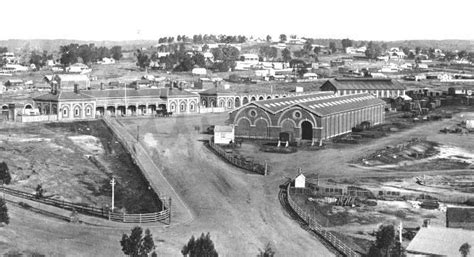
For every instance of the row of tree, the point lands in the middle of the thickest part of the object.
(203, 39)
(182, 60)
(138, 245)
(89, 53)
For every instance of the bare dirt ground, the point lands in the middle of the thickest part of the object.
(241, 211)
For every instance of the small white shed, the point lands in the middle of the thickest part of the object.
(300, 181)
(223, 134)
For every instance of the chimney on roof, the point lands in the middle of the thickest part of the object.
(76, 88)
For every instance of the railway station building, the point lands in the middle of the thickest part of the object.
(313, 117)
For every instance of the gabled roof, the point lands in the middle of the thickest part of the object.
(440, 241)
(219, 128)
(365, 84)
(320, 103)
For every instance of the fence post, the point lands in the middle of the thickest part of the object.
(140, 217)
(169, 212)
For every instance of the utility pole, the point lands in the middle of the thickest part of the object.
(138, 133)
(112, 182)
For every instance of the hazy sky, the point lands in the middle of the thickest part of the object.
(151, 19)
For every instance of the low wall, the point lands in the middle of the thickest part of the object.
(314, 225)
(36, 118)
(211, 110)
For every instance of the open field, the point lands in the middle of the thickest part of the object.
(74, 162)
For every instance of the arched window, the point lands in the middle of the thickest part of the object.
(182, 107)
(191, 107)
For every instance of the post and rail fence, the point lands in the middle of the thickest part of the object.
(314, 225)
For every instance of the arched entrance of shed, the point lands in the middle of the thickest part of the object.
(237, 102)
(243, 128)
(261, 129)
(306, 130)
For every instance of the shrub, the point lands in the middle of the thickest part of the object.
(5, 173)
(4, 212)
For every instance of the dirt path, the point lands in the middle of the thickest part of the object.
(242, 212)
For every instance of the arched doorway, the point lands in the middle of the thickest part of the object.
(269, 97)
(252, 99)
(243, 128)
(306, 130)
(260, 98)
(261, 128)
(237, 102)
(245, 100)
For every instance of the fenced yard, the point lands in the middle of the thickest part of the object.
(257, 167)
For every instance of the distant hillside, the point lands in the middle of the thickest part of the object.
(52, 45)
(450, 44)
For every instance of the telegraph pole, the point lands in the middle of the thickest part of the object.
(112, 182)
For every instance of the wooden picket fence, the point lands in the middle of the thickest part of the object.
(257, 167)
(314, 225)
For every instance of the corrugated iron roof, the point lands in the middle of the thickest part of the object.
(320, 103)
(219, 128)
(365, 84)
(440, 241)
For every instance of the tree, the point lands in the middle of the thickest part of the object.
(87, 53)
(268, 52)
(199, 60)
(4, 212)
(116, 52)
(346, 43)
(373, 50)
(205, 48)
(267, 252)
(282, 38)
(465, 249)
(316, 50)
(137, 245)
(201, 247)
(308, 47)
(3, 49)
(332, 46)
(36, 59)
(68, 54)
(286, 54)
(269, 38)
(5, 173)
(417, 50)
(385, 243)
(143, 60)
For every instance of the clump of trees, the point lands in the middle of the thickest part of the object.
(88, 53)
(203, 246)
(386, 244)
(136, 244)
(4, 218)
(5, 176)
(203, 39)
(465, 249)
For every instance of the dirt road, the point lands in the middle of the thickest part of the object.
(241, 211)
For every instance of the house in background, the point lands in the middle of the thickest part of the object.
(223, 134)
(106, 60)
(78, 68)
